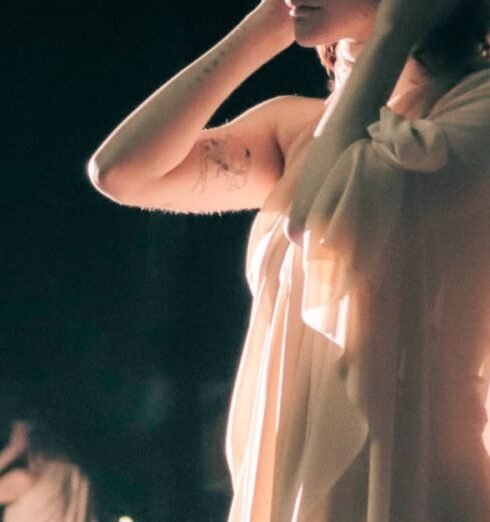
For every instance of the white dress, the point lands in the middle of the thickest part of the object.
(361, 388)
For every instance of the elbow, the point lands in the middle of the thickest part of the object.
(106, 181)
(94, 172)
(99, 176)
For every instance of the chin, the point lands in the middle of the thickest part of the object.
(306, 42)
(311, 32)
(309, 41)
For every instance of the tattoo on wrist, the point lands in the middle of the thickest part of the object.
(216, 61)
(227, 159)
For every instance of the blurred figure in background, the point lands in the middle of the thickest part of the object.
(37, 486)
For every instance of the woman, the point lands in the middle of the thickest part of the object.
(36, 487)
(360, 393)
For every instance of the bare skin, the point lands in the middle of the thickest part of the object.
(162, 156)
(156, 157)
(16, 482)
(156, 154)
(17, 444)
(394, 27)
(229, 158)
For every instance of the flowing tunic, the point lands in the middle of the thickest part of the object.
(360, 394)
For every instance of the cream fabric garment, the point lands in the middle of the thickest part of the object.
(60, 494)
(364, 363)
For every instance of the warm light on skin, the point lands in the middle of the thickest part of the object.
(333, 20)
(486, 433)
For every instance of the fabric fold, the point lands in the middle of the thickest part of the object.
(353, 336)
(349, 235)
(349, 249)
(418, 146)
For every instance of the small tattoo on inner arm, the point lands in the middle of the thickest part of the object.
(229, 159)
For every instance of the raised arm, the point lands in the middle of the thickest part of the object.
(161, 133)
(398, 26)
(16, 446)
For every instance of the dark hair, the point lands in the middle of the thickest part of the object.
(456, 43)
(15, 405)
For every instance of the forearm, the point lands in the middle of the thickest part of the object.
(367, 89)
(14, 449)
(8, 455)
(159, 134)
(369, 86)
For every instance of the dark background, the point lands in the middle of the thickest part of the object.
(122, 327)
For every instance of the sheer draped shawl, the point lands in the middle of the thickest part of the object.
(374, 336)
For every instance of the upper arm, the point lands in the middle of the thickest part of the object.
(14, 484)
(230, 167)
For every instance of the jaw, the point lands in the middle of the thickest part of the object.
(320, 29)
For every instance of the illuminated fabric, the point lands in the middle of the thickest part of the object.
(366, 349)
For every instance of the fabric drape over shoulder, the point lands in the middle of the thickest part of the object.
(366, 351)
